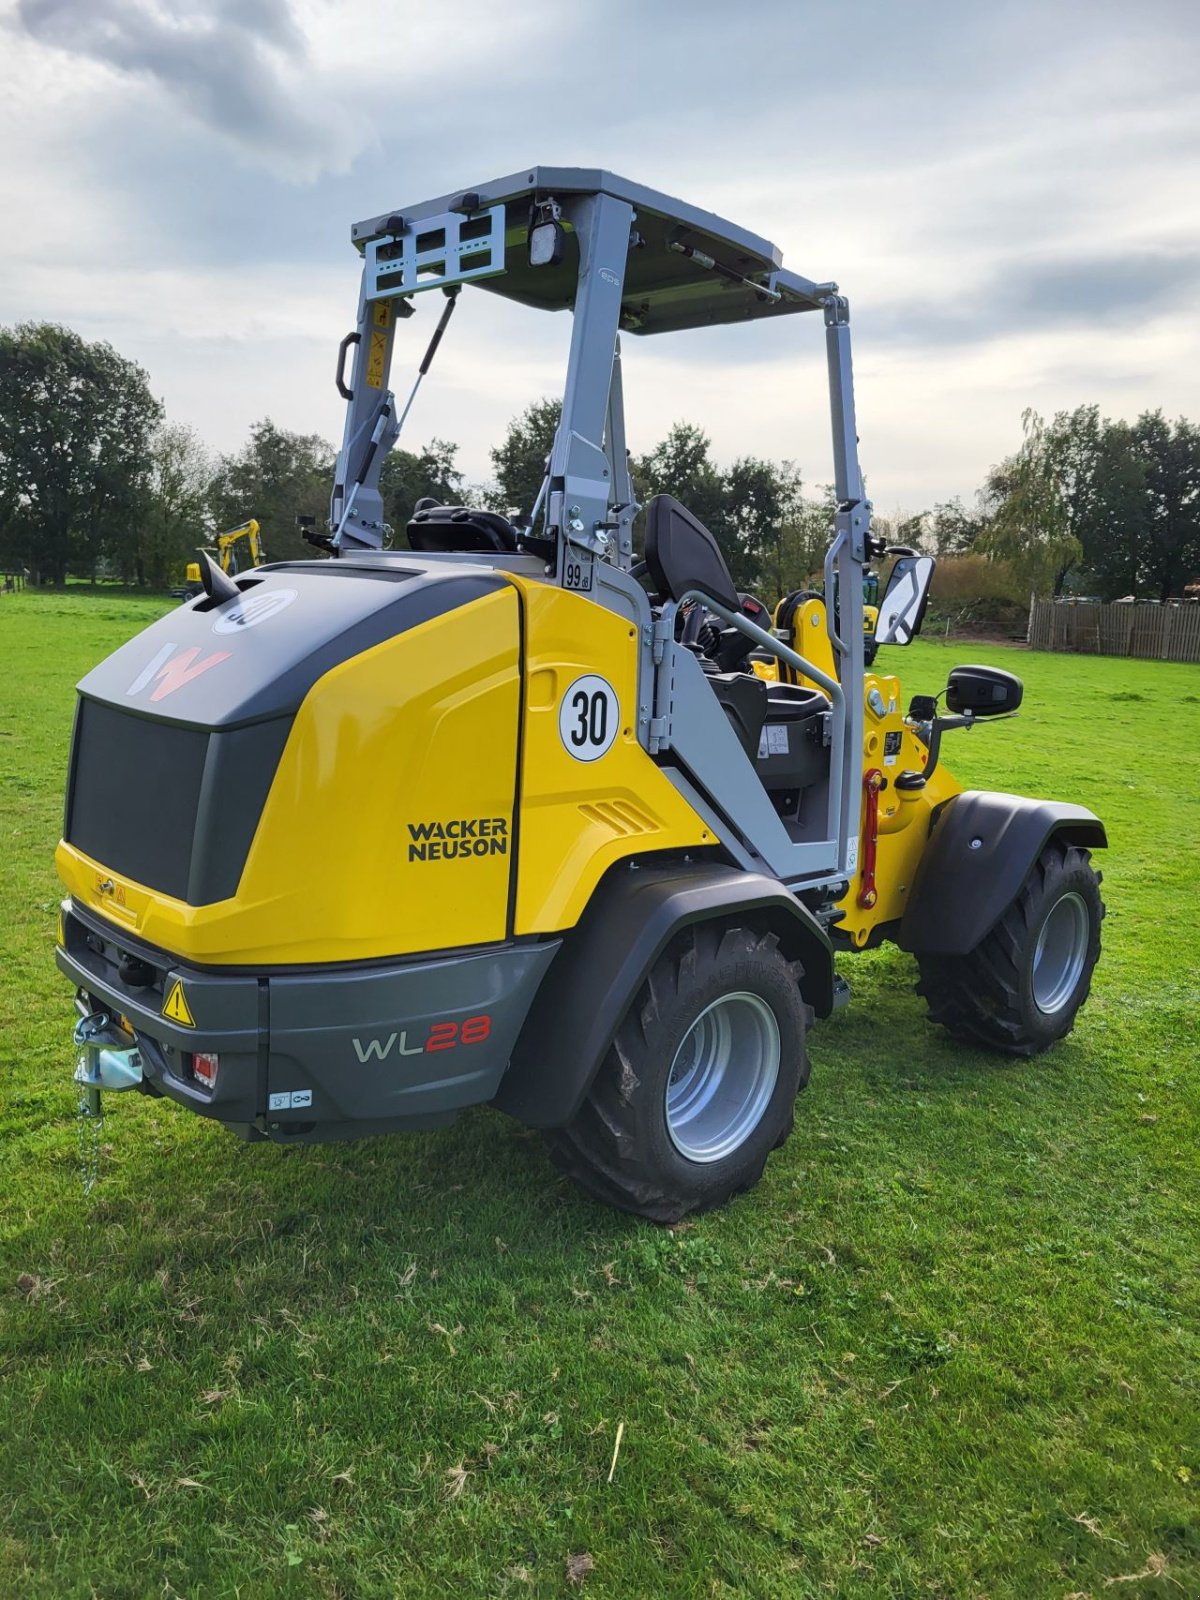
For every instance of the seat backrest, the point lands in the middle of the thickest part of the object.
(435, 527)
(682, 555)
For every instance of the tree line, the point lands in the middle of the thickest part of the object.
(95, 481)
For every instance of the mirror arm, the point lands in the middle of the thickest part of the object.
(930, 734)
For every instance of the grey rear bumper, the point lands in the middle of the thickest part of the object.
(319, 1053)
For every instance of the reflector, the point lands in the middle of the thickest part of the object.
(205, 1066)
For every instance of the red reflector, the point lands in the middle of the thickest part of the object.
(205, 1066)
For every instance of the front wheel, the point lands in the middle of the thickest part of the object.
(1020, 989)
(697, 1089)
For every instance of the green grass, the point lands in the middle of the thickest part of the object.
(947, 1348)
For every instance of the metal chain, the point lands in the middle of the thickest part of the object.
(91, 1124)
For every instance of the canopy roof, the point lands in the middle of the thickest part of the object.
(664, 289)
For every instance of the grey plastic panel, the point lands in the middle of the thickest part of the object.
(701, 737)
(358, 1042)
(217, 667)
(349, 1042)
(630, 920)
(979, 853)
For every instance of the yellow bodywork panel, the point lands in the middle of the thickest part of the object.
(580, 817)
(891, 747)
(418, 733)
(810, 639)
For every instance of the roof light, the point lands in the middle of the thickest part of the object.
(547, 236)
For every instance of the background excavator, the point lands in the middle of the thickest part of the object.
(226, 556)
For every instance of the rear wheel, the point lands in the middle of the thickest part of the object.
(697, 1089)
(1020, 989)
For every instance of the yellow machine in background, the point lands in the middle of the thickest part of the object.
(228, 542)
(225, 553)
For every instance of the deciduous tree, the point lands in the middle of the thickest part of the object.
(520, 458)
(176, 518)
(408, 477)
(1029, 497)
(76, 424)
(276, 477)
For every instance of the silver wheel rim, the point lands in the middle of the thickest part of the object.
(1060, 953)
(723, 1076)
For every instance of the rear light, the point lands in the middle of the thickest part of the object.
(205, 1066)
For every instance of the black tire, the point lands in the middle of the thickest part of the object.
(991, 997)
(619, 1147)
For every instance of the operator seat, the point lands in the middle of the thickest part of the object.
(681, 556)
(774, 724)
(436, 527)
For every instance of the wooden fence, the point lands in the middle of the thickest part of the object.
(1157, 633)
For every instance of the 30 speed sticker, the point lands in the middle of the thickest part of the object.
(588, 715)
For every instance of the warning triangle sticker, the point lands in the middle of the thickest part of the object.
(175, 1006)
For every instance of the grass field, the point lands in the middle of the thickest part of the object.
(949, 1347)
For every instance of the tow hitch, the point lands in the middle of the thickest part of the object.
(108, 1058)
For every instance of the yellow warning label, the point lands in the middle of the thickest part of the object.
(375, 359)
(383, 314)
(176, 1007)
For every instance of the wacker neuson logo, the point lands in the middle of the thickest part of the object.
(465, 836)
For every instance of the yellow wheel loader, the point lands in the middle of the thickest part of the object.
(507, 816)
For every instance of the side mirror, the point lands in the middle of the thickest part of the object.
(902, 609)
(985, 691)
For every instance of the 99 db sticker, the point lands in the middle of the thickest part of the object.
(588, 716)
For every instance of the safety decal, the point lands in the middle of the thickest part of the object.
(578, 571)
(891, 747)
(290, 1100)
(588, 717)
(176, 1007)
(773, 740)
(376, 356)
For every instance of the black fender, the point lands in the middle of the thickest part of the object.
(981, 847)
(632, 916)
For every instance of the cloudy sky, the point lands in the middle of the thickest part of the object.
(1008, 192)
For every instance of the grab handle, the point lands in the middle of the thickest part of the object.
(340, 380)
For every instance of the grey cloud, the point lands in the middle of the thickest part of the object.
(1101, 288)
(1099, 291)
(227, 64)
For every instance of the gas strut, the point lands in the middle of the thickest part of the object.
(383, 417)
(451, 293)
(722, 271)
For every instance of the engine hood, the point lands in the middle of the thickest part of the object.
(255, 658)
